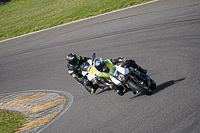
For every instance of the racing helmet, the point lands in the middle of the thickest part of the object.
(99, 63)
(72, 59)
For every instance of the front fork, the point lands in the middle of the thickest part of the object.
(135, 80)
(127, 88)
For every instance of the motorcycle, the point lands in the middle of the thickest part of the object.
(89, 71)
(131, 80)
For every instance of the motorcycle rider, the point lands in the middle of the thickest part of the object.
(105, 66)
(74, 69)
(103, 75)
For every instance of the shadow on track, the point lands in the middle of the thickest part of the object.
(166, 84)
(163, 86)
(158, 88)
(107, 89)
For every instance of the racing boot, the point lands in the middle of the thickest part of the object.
(132, 63)
(93, 90)
(140, 69)
(90, 88)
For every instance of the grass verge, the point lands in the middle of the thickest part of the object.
(19, 17)
(11, 121)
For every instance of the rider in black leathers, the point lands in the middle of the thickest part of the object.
(74, 69)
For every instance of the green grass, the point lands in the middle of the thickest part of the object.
(11, 121)
(23, 16)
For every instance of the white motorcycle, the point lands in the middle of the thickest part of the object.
(131, 79)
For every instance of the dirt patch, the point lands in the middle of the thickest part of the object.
(16, 108)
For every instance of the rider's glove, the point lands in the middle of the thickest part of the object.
(92, 91)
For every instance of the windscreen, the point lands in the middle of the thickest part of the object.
(113, 71)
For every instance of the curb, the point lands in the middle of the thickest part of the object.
(41, 107)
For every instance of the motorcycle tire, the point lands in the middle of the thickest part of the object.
(153, 84)
(141, 88)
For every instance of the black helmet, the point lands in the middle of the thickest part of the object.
(72, 59)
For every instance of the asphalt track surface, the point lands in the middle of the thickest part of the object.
(163, 37)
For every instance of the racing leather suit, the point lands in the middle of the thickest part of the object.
(103, 74)
(76, 72)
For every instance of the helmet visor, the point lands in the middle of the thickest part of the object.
(74, 61)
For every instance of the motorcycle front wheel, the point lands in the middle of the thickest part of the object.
(141, 88)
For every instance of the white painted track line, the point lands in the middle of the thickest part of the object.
(80, 20)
